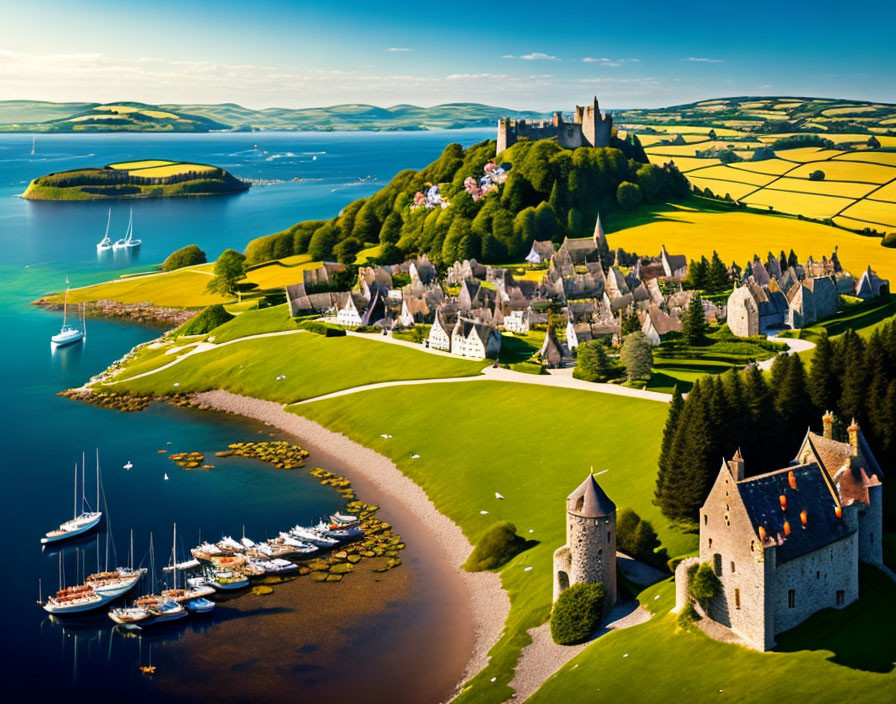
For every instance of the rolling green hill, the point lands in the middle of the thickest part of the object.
(34, 116)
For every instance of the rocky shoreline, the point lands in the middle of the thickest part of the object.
(143, 313)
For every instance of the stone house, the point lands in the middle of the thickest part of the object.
(517, 321)
(811, 300)
(422, 271)
(551, 350)
(788, 543)
(541, 252)
(414, 311)
(440, 333)
(753, 309)
(870, 285)
(349, 314)
(589, 555)
(475, 340)
(675, 266)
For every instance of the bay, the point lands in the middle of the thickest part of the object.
(43, 435)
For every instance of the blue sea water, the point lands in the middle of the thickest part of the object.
(44, 435)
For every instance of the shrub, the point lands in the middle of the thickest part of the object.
(206, 321)
(817, 175)
(577, 613)
(636, 537)
(636, 356)
(802, 140)
(628, 195)
(186, 256)
(592, 362)
(687, 615)
(703, 584)
(496, 547)
(320, 328)
(889, 240)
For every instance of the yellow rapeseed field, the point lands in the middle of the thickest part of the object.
(766, 166)
(887, 193)
(145, 164)
(172, 170)
(159, 114)
(842, 170)
(727, 173)
(873, 211)
(886, 158)
(811, 206)
(684, 163)
(722, 188)
(823, 188)
(804, 154)
(738, 235)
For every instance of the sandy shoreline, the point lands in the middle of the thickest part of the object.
(489, 603)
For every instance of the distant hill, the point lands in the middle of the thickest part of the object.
(773, 115)
(35, 116)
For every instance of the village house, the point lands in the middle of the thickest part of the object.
(675, 266)
(541, 252)
(475, 340)
(440, 333)
(517, 321)
(788, 543)
(551, 351)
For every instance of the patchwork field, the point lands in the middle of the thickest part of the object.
(737, 235)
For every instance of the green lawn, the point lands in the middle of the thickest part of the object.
(255, 322)
(519, 348)
(533, 445)
(864, 318)
(313, 365)
(845, 655)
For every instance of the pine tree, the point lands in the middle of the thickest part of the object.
(693, 325)
(824, 383)
(792, 259)
(851, 350)
(794, 406)
(763, 421)
(671, 426)
(672, 493)
(782, 261)
(697, 274)
(779, 371)
(636, 356)
(717, 275)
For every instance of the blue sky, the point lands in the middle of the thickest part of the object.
(539, 55)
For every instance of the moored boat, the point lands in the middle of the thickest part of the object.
(226, 580)
(82, 522)
(200, 605)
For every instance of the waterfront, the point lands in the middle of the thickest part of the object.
(382, 627)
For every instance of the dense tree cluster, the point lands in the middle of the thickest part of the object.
(636, 537)
(802, 140)
(710, 275)
(550, 192)
(767, 416)
(593, 363)
(185, 256)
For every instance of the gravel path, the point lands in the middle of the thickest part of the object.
(543, 657)
(489, 603)
(793, 346)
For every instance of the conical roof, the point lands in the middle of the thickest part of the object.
(589, 500)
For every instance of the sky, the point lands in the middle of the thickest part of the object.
(516, 54)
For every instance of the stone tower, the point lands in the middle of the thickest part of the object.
(589, 555)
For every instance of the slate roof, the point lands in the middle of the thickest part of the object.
(861, 470)
(589, 500)
(814, 494)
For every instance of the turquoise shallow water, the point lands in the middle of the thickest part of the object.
(43, 435)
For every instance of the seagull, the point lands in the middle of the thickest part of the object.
(483, 512)
(177, 383)
(527, 569)
(415, 457)
(498, 496)
(166, 476)
(128, 466)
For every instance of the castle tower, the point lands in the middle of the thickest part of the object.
(589, 555)
(503, 129)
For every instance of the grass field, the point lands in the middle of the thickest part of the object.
(254, 322)
(737, 235)
(183, 288)
(836, 655)
(313, 365)
(532, 458)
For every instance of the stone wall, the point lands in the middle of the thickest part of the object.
(815, 579)
(589, 555)
(743, 313)
(870, 524)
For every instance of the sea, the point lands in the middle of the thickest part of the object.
(47, 439)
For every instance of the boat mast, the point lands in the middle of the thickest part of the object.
(174, 555)
(76, 492)
(83, 482)
(132, 549)
(97, 480)
(65, 303)
(152, 565)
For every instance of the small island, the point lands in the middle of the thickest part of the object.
(135, 179)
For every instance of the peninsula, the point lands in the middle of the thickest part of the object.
(135, 179)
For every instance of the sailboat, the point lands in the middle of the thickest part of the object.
(128, 241)
(69, 334)
(33, 145)
(105, 244)
(197, 587)
(81, 522)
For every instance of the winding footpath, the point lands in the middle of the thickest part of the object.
(793, 346)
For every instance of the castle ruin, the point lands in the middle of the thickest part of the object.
(589, 128)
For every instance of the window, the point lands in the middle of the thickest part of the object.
(791, 599)
(717, 564)
(705, 519)
(818, 575)
(609, 536)
(737, 598)
(710, 542)
(752, 545)
(732, 567)
(841, 597)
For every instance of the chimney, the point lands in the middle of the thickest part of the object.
(853, 431)
(736, 466)
(828, 420)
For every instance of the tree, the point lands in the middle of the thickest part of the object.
(186, 256)
(854, 375)
(693, 325)
(322, 242)
(347, 251)
(698, 272)
(391, 230)
(577, 613)
(704, 584)
(592, 362)
(628, 195)
(497, 546)
(229, 269)
(817, 175)
(792, 259)
(630, 323)
(366, 227)
(717, 275)
(636, 356)
(650, 181)
(636, 537)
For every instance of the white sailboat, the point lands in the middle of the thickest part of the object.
(69, 334)
(128, 241)
(33, 145)
(83, 521)
(105, 244)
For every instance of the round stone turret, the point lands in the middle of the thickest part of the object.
(589, 555)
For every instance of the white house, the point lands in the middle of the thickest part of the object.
(517, 321)
(439, 335)
(348, 315)
(475, 340)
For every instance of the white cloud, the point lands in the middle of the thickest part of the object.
(398, 49)
(534, 56)
(704, 60)
(604, 61)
